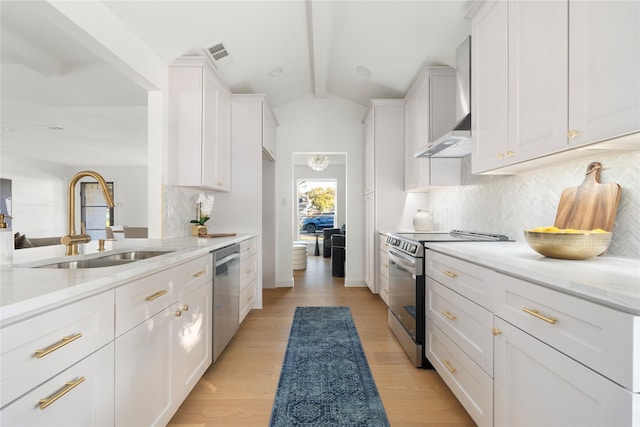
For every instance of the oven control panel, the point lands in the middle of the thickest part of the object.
(405, 246)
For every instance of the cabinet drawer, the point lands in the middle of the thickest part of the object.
(470, 384)
(248, 247)
(194, 273)
(248, 267)
(38, 348)
(139, 300)
(469, 280)
(247, 295)
(464, 322)
(87, 402)
(384, 289)
(383, 243)
(599, 337)
(384, 264)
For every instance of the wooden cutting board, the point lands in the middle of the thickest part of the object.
(591, 205)
(209, 236)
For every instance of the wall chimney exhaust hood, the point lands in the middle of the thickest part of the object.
(456, 143)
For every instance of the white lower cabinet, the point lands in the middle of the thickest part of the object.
(248, 276)
(80, 396)
(469, 383)
(144, 371)
(536, 385)
(192, 346)
(384, 269)
(516, 353)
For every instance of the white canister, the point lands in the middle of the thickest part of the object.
(423, 220)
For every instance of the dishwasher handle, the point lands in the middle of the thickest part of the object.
(227, 259)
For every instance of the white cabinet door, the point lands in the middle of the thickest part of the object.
(192, 347)
(369, 242)
(489, 86)
(368, 134)
(143, 366)
(199, 126)
(604, 70)
(79, 396)
(538, 61)
(269, 125)
(536, 385)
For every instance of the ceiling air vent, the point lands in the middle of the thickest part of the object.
(218, 54)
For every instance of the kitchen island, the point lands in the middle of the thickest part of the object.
(26, 291)
(113, 345)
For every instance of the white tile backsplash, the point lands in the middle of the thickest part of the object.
(179, 209)
(511, 204)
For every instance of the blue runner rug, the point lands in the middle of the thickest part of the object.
(325, 379)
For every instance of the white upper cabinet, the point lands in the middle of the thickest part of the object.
(489, 85)
(269, 125)
(548, 76)
(424, 123)
(199, 126)
(604, 70)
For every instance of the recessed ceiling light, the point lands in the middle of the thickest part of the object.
(363, 71)
(275, 72)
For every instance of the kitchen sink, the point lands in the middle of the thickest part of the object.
(110, 260)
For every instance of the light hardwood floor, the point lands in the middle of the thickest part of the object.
(239, 389)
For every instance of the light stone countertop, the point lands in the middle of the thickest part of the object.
(26, 291)
(610, 281)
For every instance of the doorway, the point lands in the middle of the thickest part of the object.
(321, 199)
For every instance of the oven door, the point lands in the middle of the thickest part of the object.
(403, 272)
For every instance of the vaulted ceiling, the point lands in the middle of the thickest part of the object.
(357, 50)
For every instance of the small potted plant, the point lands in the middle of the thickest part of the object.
(204, 207)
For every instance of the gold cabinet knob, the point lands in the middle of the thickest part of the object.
(573, 134)
(500, 156)
(509, 153)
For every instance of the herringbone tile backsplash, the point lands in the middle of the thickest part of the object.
(511, 204)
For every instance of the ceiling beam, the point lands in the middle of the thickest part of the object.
(319, 20)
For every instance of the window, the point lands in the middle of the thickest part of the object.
(94, 212)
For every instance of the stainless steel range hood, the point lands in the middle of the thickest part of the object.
(457, 143)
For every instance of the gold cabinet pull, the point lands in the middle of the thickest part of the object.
(64, 341)
(156, 295)
(200, 273)
(449, 366)
(185, 307)
(537, 314)
(248, 271)
(573, 134)
(500, 156)
(449, 315)
(496, 332)
(68, 386)
(178, 313)
(450, 274)
(509, 153)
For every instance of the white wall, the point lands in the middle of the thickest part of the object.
(330, 124)
(40, 194)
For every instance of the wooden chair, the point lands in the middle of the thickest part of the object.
(108, 231)
(136, 232)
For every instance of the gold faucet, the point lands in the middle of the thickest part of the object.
(71, 240)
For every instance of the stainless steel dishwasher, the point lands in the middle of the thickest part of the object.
(226, 296)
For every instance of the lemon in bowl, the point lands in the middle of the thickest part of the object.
(568, 243)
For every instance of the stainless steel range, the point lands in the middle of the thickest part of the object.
(407, 284)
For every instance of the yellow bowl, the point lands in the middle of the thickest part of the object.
(568, 245)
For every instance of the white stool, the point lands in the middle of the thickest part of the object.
(299, 256)
(304, 243)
